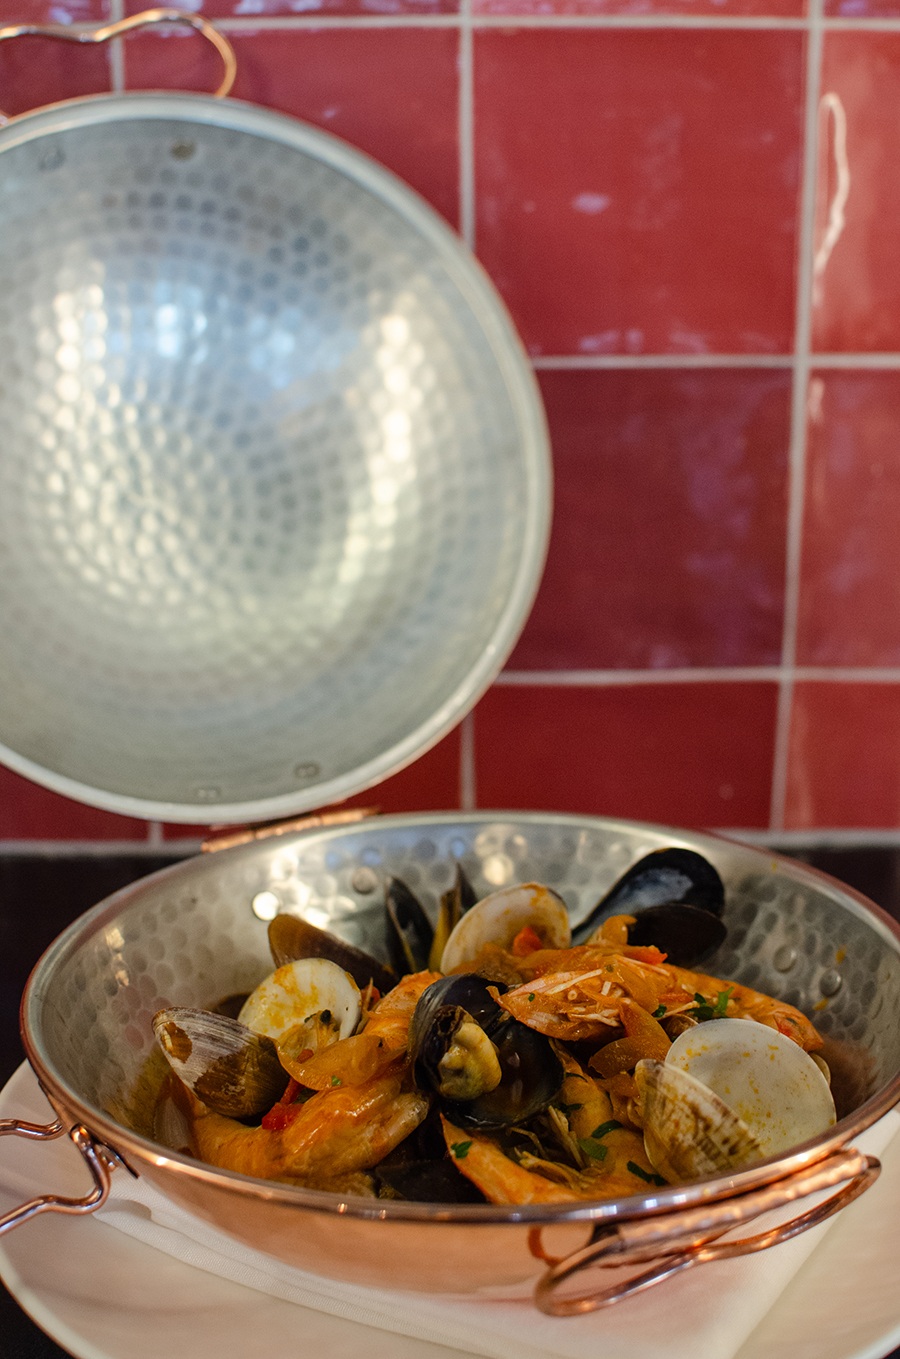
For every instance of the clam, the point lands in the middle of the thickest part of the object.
(304, 1005)
(730, 1093)
(291, 937)
(490, 1070)
(677, 898)
(500, 917)
(233, 1070)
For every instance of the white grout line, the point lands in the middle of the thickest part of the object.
(97, 849)
(466, 126)
(797, 462)
(824, 838)
(249, 26)
(468, 788)
(115, 49)
(747, 674)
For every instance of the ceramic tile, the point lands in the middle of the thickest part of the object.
(856, 296)
(268, 9)
(843, 769)
(614, 211)
(669, 521)
(392, 92)
(30, 812)
(849, 610)
(697, 755)
(35, 71)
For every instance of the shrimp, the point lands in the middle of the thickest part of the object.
(582, 993)
(359, 1058)
(336, 1132)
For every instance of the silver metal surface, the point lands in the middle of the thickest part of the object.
(274, 477)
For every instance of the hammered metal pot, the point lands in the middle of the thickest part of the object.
(275, 477)
(194, 933)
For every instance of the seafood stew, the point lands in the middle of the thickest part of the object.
(500, 1060)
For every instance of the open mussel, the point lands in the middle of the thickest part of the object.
(233, 1070)
(489, 1070)
(454, 903)
(291, 937)
(730, 1093)
(677, 899)
(410, 932)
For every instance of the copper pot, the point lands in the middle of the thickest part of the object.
(196, 932)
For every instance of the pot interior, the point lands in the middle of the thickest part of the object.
(193, 934)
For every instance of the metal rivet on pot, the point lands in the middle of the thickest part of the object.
(309, 770)
(364, 881)
(208, 794)
(785, 958)
(830, 982)
(182, 150)
(265, 905)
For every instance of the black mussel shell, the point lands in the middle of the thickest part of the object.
(291, 937)
(531, 1072)
(661, 878)
(428, 1182)
(686, 934)
(454, 903)
(421, 1169)
(410, 932)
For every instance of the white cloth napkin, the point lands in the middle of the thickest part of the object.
(706, 1311)
(709, 1310)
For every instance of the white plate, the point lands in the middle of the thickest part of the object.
(103, 1295)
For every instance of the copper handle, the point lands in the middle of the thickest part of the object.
(671, 1242)
(145, 19)
(100, 1161)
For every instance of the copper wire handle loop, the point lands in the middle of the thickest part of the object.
(145, 19)
(100, 1162)
(673, 1242)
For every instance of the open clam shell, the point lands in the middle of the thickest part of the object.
(498, 918)
(313, 993)
(766, 1078)
(731, 1092)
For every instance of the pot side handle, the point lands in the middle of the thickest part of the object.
(675, 1241)
(99, 1159)
(147, 18)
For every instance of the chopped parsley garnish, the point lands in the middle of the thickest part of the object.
(460, 1149)
(596, 1150)
(568, 1108)
(704, 1009)
(643, 1175)
(659, 1012)
(531, 995)
(609, 1126)
(335, 1080)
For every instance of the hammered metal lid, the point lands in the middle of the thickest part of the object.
(275, 479)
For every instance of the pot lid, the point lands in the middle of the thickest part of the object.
(275, 481)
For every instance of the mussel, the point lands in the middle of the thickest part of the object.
(677, 898)
(489, 1069)
(730, 1093)
(410, 933)
(291, 937)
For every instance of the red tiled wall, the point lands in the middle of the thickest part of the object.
(691, 209)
